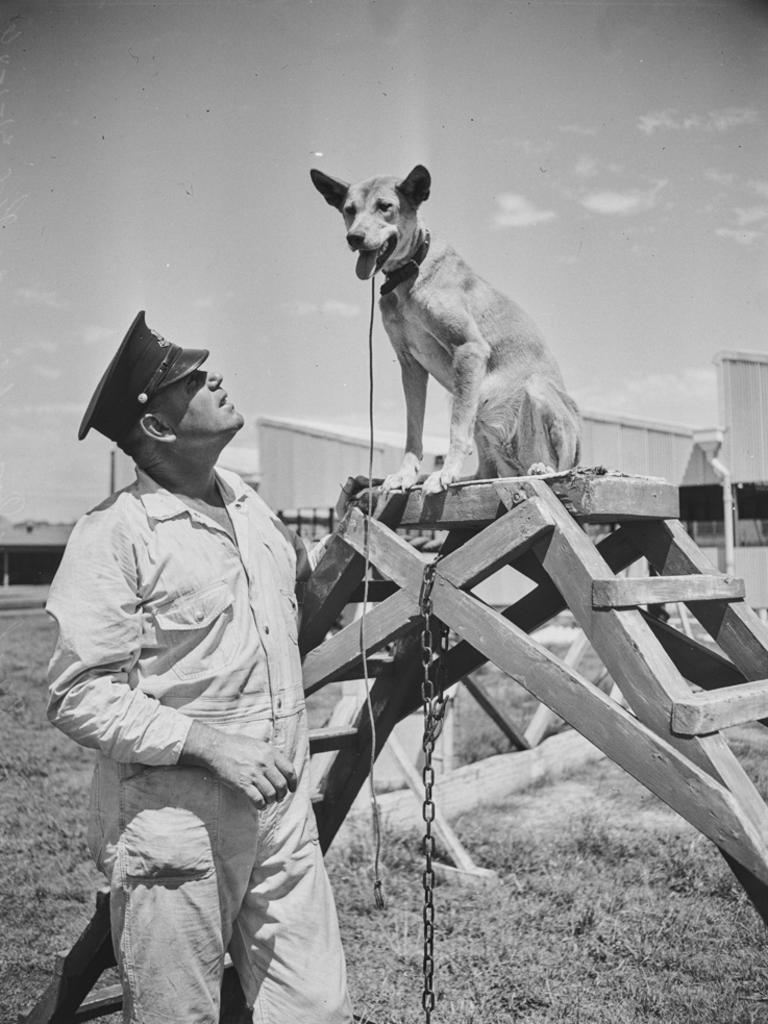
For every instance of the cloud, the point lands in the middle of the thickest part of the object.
(36, 296)
(589, 167)
(713, 121)
(331, 307)
(623, 204)
(761, 187)
(750, 215)
(720, 177)
(740, 235)
(518, 212)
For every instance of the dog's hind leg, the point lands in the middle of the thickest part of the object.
(547, 431)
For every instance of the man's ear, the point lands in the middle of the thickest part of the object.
(157, 428)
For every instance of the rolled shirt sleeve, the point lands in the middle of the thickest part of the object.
(93, 693)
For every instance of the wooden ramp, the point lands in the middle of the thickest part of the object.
(676, 695)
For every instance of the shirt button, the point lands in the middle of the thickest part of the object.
(266, 630)
(199, 614)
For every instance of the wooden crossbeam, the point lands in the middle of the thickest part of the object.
(687, 788)
(332, 738)
(401, 563)
(630, 592)
(735, 627)
(712, 710)
(588, 497)
(510, 729)
(648, 679)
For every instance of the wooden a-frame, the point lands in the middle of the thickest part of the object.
(677, 694)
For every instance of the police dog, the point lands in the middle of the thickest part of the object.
(445, 320)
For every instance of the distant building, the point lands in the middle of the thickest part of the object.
(722, 473)
(30, 552)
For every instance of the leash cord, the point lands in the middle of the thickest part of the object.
(377, 886)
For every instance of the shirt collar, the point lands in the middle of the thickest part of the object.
(161, 503)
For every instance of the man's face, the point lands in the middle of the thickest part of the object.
(198, 409)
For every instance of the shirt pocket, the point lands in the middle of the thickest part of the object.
(197, 631)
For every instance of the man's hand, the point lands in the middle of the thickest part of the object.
(253, 767)
(357, 491)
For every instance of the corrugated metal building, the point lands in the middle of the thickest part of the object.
(305, 463)
(743, 397)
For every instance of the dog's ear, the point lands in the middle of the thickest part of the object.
(416, 186)
(333, 191)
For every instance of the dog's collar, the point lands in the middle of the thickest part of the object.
(407, 270)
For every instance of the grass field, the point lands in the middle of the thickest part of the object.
(609, 909)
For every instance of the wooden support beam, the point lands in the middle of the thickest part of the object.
(734, 627)
(339, 654)
(706, 712)
(632, 591)
(348, 769)
(698, 663)
(76, 973)
(648, 680)
(510, 729)
(687, 788)
(590, 497)
(332, 738)
(443, 830)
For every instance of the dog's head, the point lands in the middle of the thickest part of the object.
(381, 215)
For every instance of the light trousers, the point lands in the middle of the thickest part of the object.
(195, 870)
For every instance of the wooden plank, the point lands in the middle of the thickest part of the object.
(340, 570)
(678, 781)
(332, 738)
(497, 716)
(629, 592)
(327, 592)
(78, 971)
(339, 653)
(699, 664)
(348, 770)
(378, 590)
(528, 613)
(735, 628)
(488, 781)
(442, 829)
(706, 712)
(479, 557)
(647, 678)
(544, 719)
(590, 497)
(100, 1003)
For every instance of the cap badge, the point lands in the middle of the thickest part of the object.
(161, 341)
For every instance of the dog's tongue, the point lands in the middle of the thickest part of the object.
(366, 263)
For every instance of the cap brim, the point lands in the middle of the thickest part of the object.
(185, 363)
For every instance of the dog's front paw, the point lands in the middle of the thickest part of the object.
(439, 481)
(540, 469)
(400, 481)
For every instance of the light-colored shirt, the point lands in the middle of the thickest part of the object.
(162, 619)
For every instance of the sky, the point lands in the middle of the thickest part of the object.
(603, 162)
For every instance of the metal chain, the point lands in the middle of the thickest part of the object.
(434, 705)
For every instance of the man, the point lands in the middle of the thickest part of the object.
(177, 660)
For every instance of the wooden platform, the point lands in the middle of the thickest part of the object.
(675, 694)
